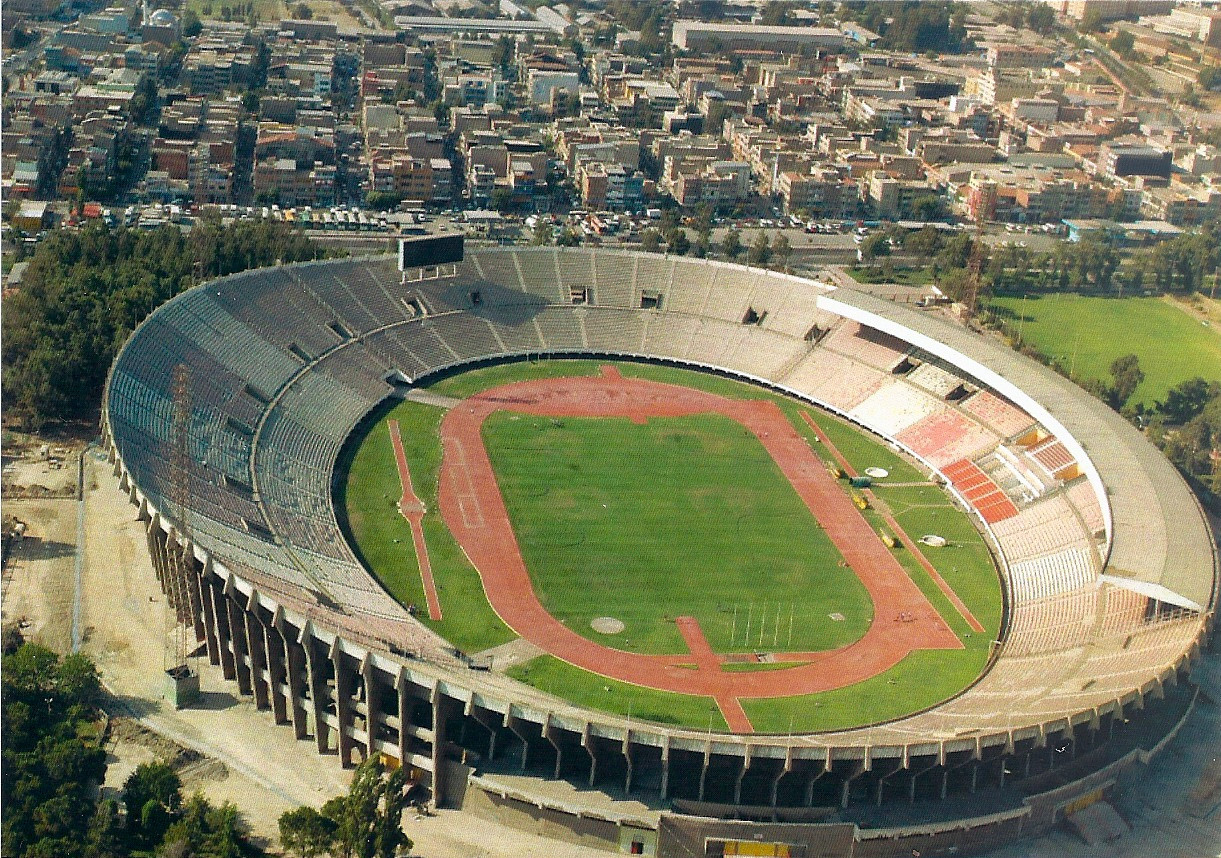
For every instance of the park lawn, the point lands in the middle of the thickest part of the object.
(382, 537)
(902, 276)
(1085, 334)
(922, 679)
(553, 676)
(677, 517)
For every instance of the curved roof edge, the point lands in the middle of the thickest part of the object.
(1145, 496)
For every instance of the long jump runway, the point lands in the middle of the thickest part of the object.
(467, 480)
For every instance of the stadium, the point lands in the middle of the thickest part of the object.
(237, 412)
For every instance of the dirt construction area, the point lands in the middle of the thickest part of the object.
(224, 747)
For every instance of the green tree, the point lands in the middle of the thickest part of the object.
(191, 25)
(151, 794)
(731, 245)
(368, 820)
(1127, 376)
(303, 12)
(760, 250)
(782, 249)
(542, 233)
(927, 207)
(1123, 44)
(1186, 401)
(306, 832)
(874, 246)
(502, 199)
(677, 242)
(650, 240)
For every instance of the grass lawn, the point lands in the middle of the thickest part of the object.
(583, 688)
(680, 516)
(923, 679)
(382, 537)
(901, 276)
(710, 508)
(1085, 334)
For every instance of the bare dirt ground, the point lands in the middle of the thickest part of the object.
(229, 750)
(38, 579)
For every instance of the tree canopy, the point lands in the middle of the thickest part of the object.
(84, 293)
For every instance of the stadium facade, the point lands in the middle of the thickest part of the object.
(1109, 567)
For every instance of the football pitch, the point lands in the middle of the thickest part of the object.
(644, 522)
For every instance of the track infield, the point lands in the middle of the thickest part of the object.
(787, 608)
(474, 510)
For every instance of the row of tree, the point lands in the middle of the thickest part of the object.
(84, 293)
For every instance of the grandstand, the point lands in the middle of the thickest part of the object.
(1103, 617)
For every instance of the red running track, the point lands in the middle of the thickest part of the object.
(473, 508)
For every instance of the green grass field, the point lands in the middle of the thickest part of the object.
(711, 507)
(1085, 334)
(680, 516)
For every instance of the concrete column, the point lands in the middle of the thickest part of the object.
(704, 768)
(241, 652)
(277, 672)
(858, 769)
(343, 704)
(258, 655)
(195, 598)
(209, 613)
(400, 685)
(223, 632)
(665, 767)
(439, 739)
(737, 784)
(511, 723)
(317, 688)
(374, 717)
(587, 744)
(296, 674)
(826, 767)
(788, 767)
(911, 787)
(626, 749)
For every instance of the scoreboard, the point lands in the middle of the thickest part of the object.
(429, 250)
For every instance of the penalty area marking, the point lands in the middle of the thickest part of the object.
(412, 509)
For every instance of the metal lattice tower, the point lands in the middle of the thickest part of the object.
(178, 611)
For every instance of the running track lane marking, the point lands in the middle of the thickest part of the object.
(899, 531)
(412, 509)
(706, 659)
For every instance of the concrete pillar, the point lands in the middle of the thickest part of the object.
(511, 724)
(258, 655)
(223, 631)
(400, 685)
(296, 672)
(911, 787)
(374, 716)
(788, 767)
(588, 745)
(343, 703)
(317, 688)
(665, 767)
(212, 639)
(439, 740)
(277, 673)
(737, 784)
(559, 752)
(195, 597)
(704, 768)
(858, 768)
(237, 634)
(626, 749)
(825, 767)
